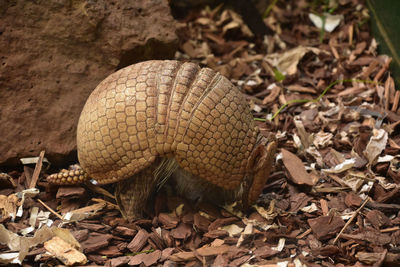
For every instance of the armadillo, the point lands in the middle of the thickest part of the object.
(159, 119)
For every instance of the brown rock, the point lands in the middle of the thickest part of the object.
(53, 54)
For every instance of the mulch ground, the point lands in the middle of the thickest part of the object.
(332, 198)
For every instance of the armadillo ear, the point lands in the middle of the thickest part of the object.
(255, 158)
(261, 162)
(259, 157)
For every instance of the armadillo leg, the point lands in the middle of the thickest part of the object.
(133, 194)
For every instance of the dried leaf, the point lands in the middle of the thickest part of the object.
(287, 62)
(232, 229)
(8, 206)
(322, 139)
(344, 166)
(376, 145)
(23, 244)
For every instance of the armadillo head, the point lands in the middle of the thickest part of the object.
(258, 168)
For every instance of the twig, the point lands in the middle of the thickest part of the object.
(351, 219)
(300, 236)
(396, 101)
(37, 170)
(382, 70)
(388, 230)
(99, 190)
(394, 124)
(386, 95)
(50, 209)
(112, 205)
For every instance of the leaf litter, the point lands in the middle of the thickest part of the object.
(332, 198)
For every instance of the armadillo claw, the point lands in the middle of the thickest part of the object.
(70, 177)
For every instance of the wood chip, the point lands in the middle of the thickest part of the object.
(139, 241)
(64, 252)
(296, 168)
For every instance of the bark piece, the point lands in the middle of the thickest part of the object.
(325, 227)
(95, 242)
(64, 251)
(138, 241)
(296, 169)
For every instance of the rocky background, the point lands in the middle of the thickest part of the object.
(54, 53)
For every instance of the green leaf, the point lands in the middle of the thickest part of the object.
(279, 76)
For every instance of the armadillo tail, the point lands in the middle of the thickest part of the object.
(68, 177)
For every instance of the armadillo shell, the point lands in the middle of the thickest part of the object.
(166, 109)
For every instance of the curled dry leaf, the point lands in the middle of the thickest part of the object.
(287, 62)
(344, 166)
(311, 208)
(8, 206)
(376, 145)
(305, 138)
(248, 230)
(23, 244)
(354, 182)
(232, 229)
(322, 139)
